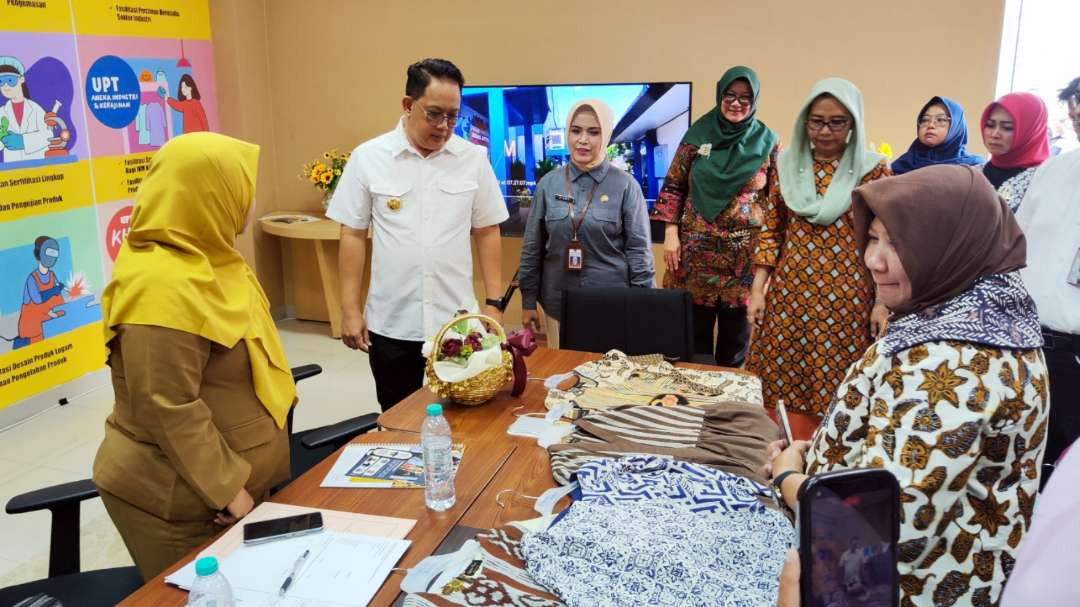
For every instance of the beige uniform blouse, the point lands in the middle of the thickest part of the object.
(187, 430)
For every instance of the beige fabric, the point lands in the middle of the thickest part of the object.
(615, 379)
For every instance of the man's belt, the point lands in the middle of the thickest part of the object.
(1056, 340)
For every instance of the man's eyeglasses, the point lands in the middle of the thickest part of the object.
(935, 120)
(730, 98)
(437, 119)
(835, 124)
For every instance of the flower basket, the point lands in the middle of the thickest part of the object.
(480, 388)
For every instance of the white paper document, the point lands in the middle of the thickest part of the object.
(374, 537)
(342, 569)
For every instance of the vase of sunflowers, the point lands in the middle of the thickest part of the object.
(324, 173)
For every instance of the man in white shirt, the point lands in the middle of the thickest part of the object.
(422, 191)
(1050, 218)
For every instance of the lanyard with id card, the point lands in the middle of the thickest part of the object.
(575, 251)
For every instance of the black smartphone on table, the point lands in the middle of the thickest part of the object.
(281, 528)
(849, 525)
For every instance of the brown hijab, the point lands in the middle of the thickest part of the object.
(949, 226)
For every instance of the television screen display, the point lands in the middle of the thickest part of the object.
(523, 129)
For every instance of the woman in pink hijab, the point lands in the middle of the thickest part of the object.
(1014, 129)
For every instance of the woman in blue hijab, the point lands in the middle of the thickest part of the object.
(942, 135)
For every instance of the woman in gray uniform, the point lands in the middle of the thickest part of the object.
(588, 225)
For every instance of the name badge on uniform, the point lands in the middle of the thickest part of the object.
(394, 204)
(575, 256)
(563, 198)
(1074, 271)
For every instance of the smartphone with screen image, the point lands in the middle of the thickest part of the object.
(785, 426)
(281, 528)
(849, 524)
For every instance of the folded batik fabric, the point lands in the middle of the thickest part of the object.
(729, 436)
(639, 478)
(649, 553)
(615, 379)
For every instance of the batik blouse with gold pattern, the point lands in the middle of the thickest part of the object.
(962, 427)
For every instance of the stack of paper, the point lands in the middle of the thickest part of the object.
(348, 563)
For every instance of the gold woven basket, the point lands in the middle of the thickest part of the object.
(480, 388)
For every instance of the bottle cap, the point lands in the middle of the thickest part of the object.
(207, 565)
(434, 409)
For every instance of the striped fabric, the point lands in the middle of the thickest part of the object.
(728, 436)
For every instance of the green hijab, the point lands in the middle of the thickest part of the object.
(796, 163)
(738, 149)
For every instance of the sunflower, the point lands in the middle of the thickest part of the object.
(327, 177)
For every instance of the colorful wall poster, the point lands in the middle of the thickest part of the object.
(50, 317)
(44, 154)
(140, 93)
(89, 91)
(114, 219)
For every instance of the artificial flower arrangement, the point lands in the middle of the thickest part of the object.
(325, 173)
(472, 357)
(466, 349)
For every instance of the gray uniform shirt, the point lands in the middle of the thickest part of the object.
(615, 236)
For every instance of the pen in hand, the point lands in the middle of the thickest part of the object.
(295, 572)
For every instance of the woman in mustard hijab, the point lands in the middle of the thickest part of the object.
(202, 387)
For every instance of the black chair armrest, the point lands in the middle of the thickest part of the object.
(52, 497)
(63, 501)
(305, 371)
(340, 433)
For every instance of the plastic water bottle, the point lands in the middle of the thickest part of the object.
(210, 589)
(438, 460)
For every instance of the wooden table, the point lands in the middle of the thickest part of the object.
(527, 472)
(479, 464)
(493, 462)
(324, 235)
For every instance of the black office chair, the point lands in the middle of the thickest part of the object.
(309, 447)
(633, 320)
(71, 586)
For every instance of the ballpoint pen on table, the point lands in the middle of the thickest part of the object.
(295, 572)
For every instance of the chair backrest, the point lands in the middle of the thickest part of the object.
(631, 319)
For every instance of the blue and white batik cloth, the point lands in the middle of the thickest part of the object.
(660, 553)
(664, 479)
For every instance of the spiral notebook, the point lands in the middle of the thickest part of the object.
(392, 466)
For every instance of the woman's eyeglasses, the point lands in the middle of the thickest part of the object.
(835, 124)
(730, 98)
(935, 120)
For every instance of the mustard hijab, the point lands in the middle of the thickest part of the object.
(178, 267)
(605, 117)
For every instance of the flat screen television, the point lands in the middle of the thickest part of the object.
(523, 129)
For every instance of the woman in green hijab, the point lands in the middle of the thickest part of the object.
(812, 300)
(712, 202)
